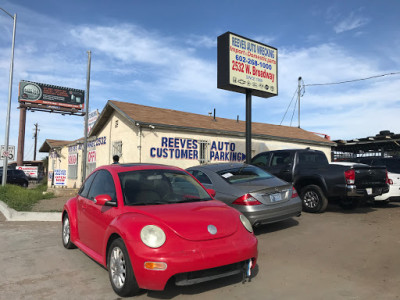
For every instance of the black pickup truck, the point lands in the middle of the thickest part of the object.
(316, 180)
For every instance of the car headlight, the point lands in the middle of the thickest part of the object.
(246, 223)
(152, 236)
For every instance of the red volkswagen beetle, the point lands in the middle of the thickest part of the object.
(149, 223)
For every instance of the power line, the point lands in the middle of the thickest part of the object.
(294, 110)
(354, 80)
(295, 92)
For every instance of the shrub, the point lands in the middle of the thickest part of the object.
(23, 199)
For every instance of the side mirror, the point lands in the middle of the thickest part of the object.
(104, 200)
(212, 192)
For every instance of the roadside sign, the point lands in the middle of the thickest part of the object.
(10, 152)
(30, 171)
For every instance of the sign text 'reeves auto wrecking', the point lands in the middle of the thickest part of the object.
(178, 148)
(252, 58)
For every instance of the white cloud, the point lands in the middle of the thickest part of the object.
(351, 22)
(342, 111)
(202, 41)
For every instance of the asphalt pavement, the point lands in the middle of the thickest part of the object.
(334, 255)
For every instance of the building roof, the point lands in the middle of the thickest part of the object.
(173, 119)
(51, 144)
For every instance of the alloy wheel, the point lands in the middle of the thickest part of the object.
(118, 267)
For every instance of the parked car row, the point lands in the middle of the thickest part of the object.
(148, 224)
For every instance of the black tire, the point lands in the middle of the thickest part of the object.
(313, 199)
(120, 270)
(66, 233)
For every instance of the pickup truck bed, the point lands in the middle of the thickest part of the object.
(317, 181)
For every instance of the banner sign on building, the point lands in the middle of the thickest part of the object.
(91, 156)
(50, 95)
(244, 64)
(60, 177)
(72, 159)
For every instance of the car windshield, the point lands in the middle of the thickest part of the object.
(149, 187)
(244, 174)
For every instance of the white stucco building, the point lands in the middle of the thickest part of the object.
(144, 134)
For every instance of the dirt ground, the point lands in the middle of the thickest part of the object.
(50, 205)
(334, 255)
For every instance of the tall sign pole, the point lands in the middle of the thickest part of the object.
(7, 135)
(248, 126)
(85, 158)
(248, 67)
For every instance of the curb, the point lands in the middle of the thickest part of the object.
(13, 215)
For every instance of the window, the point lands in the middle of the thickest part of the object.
(312, 158)
(73, 166)
(152, 187)
(280, 159)
(261, 160)
(244, 174)
(200, 176)
(117, 148)
(84, 190)
(103, 183)
(203, 152)
(91, 167)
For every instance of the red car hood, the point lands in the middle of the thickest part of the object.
(191, 220)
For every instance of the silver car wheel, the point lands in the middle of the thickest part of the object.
(66, 231)
(311, 199)
(118, 267)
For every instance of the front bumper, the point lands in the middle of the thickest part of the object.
(205, 260)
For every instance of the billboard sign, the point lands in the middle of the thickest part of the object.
(244, 64)
(50, 95)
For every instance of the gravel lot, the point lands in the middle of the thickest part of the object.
(335, 255)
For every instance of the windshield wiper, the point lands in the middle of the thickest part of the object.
(147, 203)
(191, 200)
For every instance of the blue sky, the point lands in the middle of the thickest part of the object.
(164, 54)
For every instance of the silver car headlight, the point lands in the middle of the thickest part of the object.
(152, 236)
(246, 223)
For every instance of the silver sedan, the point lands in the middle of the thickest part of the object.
(260, 196)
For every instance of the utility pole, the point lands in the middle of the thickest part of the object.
(84, 162)
(7, 135)
(298, 97)
(35, 137)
